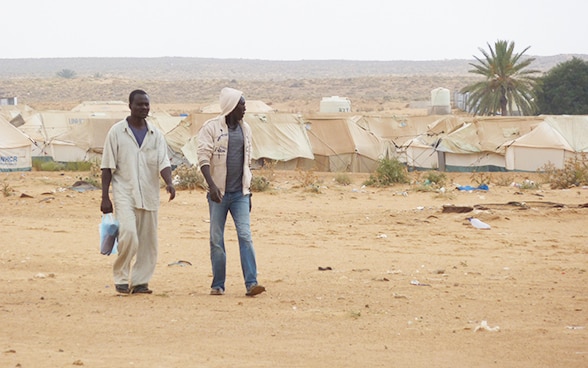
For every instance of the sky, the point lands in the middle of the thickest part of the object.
(290, 30)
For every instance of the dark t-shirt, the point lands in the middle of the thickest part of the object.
(235, 157)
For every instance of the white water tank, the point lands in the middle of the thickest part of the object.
(335, 104)
(440, 101)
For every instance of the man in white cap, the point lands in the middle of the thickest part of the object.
(224, 157)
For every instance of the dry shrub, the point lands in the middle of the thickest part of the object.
(573, 174)
(7, 190)
(429, 181)
(188, 178)
(504, 180)
(259, 184)
(308, 180)
(262, 178)
(481, 178)
(342, 179)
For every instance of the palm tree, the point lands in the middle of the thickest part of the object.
(508, 84)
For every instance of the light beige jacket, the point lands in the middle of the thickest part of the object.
(213, 143)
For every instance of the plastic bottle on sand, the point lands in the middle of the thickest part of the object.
(478, 224)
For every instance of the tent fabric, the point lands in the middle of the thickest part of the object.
(279, 137)
(15, 148)
(102, 106)
(342, 145)
(327, 142)
(68, 136)
(276, 137)
(419, 153)
(10, 112)
(574, 129)
(480, 144)
(556, 140)
(398, 129)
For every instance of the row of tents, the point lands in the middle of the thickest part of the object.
(342, 142)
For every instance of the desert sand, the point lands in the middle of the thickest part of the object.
(355, 276)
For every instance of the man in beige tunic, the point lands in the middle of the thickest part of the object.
(135, 154)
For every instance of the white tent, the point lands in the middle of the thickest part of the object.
(340, 144)
(102, 106)
(281, 138)
(479, 145)
(420, 152)
(556, 140)
(69, 136)
(15, 148)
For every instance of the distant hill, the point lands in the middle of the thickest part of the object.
(288, 86)
(179, 68)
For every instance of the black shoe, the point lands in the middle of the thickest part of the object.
(141, 289)
(122, 288)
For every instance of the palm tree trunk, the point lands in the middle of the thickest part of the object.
(503, 102)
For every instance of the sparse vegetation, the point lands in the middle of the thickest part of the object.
(342, 179)
(261, 180)
(259, 184)
(529, 184)
(480, 178)
(188, 178)
(430, 181)
(66, 73)
(574, 173)
(435, 178)
(504, 180)
(7, 190)
(388, 172)
(95, 173)
(47, 164)
(308, 180)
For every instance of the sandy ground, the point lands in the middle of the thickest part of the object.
(408, 285)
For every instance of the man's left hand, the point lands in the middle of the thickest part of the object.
(171, 190)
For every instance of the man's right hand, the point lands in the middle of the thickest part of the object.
(215, 194)
(106, 206)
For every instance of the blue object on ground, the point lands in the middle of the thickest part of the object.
(470, 188)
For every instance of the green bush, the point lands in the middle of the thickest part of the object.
(47, 164)
(78, 166)
(388, 172)
(52, 166)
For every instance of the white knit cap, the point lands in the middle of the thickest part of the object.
(229, 98)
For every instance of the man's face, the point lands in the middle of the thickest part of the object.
(140, 106)
(239, 110)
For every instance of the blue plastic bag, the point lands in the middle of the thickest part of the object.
(108, 234)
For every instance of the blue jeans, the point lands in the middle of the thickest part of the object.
(238, 205)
